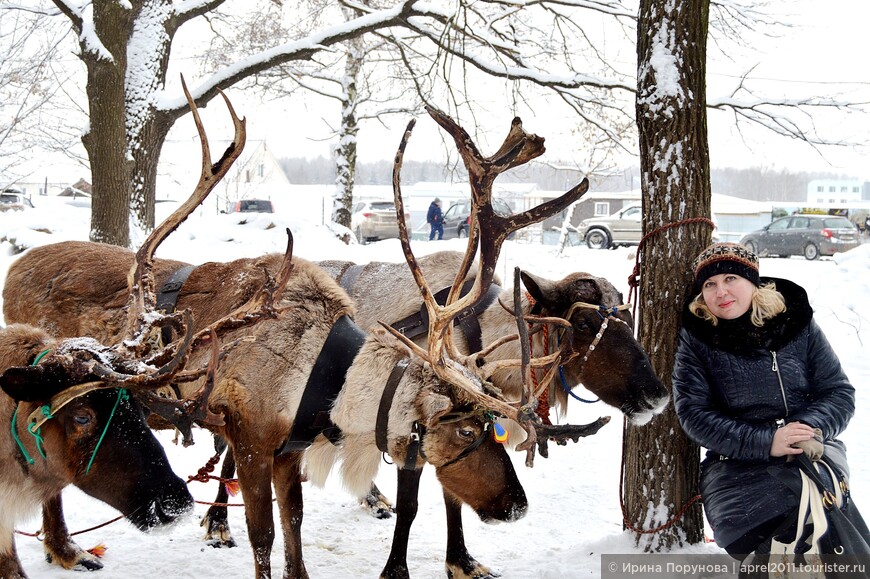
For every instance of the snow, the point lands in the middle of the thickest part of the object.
(574, 506)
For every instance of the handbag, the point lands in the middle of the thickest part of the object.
(838, 544)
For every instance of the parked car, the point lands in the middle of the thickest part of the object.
(806, 235)
(13, 200)
(622, 228)
(374, 220)
(254, 206)
(458, 217)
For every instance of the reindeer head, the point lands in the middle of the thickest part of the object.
(487, 232)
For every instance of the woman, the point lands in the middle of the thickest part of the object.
(753, 376)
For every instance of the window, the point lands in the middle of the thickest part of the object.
(602, 209)
(843, 189)
(856, 189)
(261, 170)
(820, 189)
(799, 223)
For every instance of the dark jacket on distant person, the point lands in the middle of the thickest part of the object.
(434, 214)
(732, 383)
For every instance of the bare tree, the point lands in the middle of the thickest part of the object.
(126, 48)
(28, 85)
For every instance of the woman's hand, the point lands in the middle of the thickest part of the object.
(785, 437)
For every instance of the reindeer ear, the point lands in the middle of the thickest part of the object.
(543, 291)
(434, 407)
(34, 383)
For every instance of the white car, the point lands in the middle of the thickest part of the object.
(622, 228)
(373, 220)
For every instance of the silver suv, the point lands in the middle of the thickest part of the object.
(622, 228)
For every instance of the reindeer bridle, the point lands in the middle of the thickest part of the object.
(606, 313)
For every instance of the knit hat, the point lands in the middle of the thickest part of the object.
(725, 257)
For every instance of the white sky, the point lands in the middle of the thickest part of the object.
(823, 54)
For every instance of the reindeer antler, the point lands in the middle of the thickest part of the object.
(143, 296)
(488, 230)
(131, 363)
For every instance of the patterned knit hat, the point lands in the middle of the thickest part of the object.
(725, 258)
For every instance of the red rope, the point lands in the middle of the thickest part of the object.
(543, 409)
(634, 278)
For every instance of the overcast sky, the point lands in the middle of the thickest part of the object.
(825, 54)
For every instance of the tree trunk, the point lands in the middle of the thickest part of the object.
(126, 132)
(345, 162)
(662, 464)
(106, 141)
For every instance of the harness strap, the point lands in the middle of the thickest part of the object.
(418, 322)
(167, 297)
(323, 386)
(387, 401)
(348, 277)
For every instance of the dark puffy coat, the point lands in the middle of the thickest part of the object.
(433, 216)
(728, 397)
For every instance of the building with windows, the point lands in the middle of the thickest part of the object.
(837, 191)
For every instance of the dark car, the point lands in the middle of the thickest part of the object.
(806, 235)
(254, 206)
(458, 216)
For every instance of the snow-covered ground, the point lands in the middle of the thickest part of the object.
(574, 509)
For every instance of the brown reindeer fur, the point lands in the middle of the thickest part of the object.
(132, 473)
(619, 372)
(75, 288)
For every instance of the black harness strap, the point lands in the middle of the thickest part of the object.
(324, 384)
(418, 323)
(387, 401)
(348, 277)
(167, 297)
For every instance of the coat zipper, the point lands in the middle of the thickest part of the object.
(775, 368)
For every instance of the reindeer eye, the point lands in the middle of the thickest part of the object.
(82, 419)
(583, 325)
(466, 433)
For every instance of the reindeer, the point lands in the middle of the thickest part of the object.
(93, 438)
(429, 409)
(62, 412)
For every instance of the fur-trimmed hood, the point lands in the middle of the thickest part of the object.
(741, 337)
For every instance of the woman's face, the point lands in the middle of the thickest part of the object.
(728, 295)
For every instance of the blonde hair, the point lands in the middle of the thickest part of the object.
(766, 303)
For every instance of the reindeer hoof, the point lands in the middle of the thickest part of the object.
(219, 536)
(81, 561)
(378, 505)
(70, 556)
(469, 568)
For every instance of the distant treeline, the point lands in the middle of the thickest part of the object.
(758, 184)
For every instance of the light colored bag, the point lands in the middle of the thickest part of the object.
(811, 511)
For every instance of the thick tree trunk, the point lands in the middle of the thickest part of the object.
(662, 464)
(106, 141)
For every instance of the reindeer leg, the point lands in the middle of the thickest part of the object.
(379, 506)
(288, 488)
(10, 566)
(255, 480)
(58, 545)
(459, 564)
(217, 526)
(406, 511)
